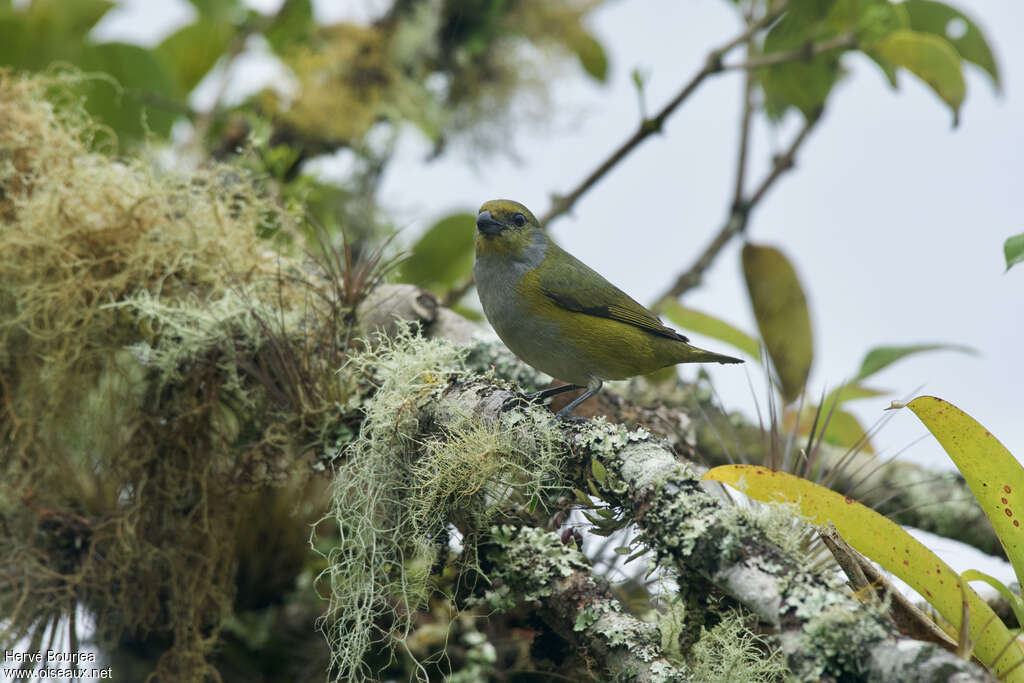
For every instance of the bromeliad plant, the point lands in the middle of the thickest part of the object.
(997, 481)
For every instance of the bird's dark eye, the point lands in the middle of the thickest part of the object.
(519, 220)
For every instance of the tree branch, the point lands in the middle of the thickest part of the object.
(561, 204)
(737, 220)
(798, 54)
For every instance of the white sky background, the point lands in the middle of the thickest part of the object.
(894, 220)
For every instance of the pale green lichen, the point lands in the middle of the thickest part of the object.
(836, 641)
(527, 561)
(732, 653)
(586, 618)
(638, 637)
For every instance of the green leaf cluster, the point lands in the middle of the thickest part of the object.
(927, 38)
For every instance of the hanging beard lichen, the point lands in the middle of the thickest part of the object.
(397, 492)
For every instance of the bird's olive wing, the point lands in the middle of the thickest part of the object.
(578, 288)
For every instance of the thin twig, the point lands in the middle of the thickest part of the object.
(561, 204)
(738, 216)
(797, 54)
(745, 119)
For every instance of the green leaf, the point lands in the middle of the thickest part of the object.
(444, 254)
(883, 356)
(1013, 249)
(590, 53)
(845, 431)
(850, 391)
(780, 308)
(710, 326)
(126, 108)
(43, 31)
(219, 8)
(191, 51)
(877, 20)
(77, 18)
(942, 20)
(801, 84)
(599, 472)
(930, 58)
(293, 24)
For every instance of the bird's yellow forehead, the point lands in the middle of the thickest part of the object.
(506, 208)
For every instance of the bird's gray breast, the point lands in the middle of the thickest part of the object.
(534, 339)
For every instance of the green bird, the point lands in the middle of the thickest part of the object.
(561, 316)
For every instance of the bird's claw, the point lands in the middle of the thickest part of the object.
(517, 401)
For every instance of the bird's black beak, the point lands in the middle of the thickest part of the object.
(487, 224)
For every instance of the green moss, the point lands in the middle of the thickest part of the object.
(130, 428)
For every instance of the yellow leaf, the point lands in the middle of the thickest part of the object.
(885, 542)
(994, 475)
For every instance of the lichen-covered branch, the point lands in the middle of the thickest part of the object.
(528, 564)
(821, 629)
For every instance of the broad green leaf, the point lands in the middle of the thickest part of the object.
(220, 8)
(710, 326)
(883, 541)
(875, 20)
(930, 58)
(44, 31)
(1013, 249)
(191, 51)
(75, 18)
(871, 21)
(590, 53)
(883, 356)
(783, 320)
(940, 19)
(850, 391)
(293, 24)
(444, 254)
(994, 475)
(126, 108)
(845, 431)
(802, 84)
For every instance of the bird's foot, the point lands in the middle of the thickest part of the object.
(572, 419)
(517, 401)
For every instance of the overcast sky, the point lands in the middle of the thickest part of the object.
(894, 220)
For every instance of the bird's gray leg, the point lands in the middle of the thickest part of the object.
(520, 399)
(593, 386)
(551, 391)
